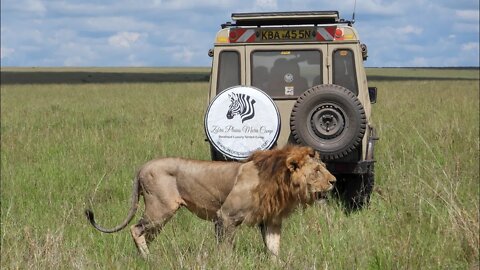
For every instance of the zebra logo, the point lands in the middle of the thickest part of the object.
(241, 105)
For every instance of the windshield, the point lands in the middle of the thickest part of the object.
(286, 73)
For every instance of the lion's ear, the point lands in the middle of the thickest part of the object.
(292, 164)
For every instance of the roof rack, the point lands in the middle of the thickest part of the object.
(285, 18)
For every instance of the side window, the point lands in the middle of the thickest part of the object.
(344, 70)
(228, 70)
(286, 73)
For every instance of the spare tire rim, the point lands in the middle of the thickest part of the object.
(327, 121)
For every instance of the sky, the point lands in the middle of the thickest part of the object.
(177, 33)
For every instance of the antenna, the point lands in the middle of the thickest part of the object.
(354, 7)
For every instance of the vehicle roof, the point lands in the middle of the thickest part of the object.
(286, 18)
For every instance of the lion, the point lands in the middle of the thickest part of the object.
(261, 191)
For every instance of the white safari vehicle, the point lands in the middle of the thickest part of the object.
(294, 78)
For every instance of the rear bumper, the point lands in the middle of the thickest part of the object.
(360, 167)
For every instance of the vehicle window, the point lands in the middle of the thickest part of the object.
(228, 70)
(286, 73)
(344, 70)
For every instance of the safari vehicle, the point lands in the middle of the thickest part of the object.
(294, 78)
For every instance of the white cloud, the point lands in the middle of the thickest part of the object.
(184, 56)
(32, 7)
(466, 27)
(75, 53)
(123, 39)
(6, 52)
(409, 29)
(36, 6)
(413, 48)
(117, 23)
(378, 7)
(471, 46)
(180, 32)
(468, 15)
(266, 4)
(74, 61)
(419, 62)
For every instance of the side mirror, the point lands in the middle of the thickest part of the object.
(372, 93)
(364, 52)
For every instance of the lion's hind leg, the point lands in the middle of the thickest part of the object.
(138, 234)
(157, 213)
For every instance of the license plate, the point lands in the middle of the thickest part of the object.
(290, 34)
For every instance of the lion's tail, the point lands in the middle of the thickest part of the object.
(131, 213)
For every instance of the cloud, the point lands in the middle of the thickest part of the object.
(468, 15)
(266, 4)
(180, 32)
(419, 62)
(36, 7)
(123, 39)
(116, 23)
(185, 56)
(409, 29)
(75, 54)
(471, 46)
(6, 52)
(379, 7)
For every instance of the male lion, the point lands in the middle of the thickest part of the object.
(261, 191)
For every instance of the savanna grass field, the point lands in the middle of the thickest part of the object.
(74, 142)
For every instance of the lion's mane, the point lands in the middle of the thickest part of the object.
(278, 193)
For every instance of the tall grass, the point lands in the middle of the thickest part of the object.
(67, 147)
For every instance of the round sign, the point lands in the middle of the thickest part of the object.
(288, 78)
(241, 120)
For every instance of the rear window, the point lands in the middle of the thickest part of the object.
(286, 73)
(344, 70)
(228, 70)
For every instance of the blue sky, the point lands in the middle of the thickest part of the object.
(422, 33)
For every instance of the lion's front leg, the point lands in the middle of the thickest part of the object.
(225, 227)
(271, 236)
(219, 231)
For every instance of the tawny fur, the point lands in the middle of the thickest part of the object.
(261, 191)
(279, 191)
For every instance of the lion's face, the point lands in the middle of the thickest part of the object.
(308, 169)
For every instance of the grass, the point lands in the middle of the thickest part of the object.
(423, 73)
(66, 147)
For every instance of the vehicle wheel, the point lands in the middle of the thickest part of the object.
(355, 190)
(329, 118)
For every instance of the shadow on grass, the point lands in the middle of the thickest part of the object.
(15, 77)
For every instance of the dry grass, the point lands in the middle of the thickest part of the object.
(61, 144)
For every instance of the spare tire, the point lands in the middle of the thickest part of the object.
(329, 118)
